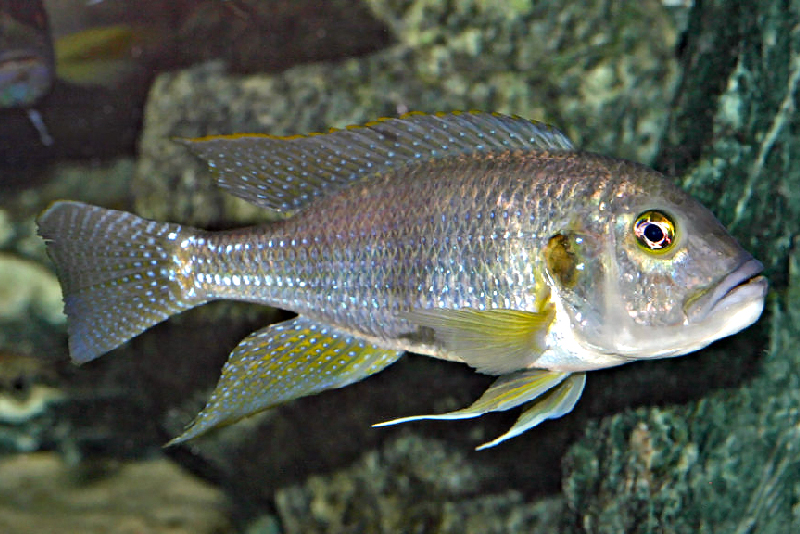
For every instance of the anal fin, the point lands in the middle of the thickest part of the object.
(283, 362)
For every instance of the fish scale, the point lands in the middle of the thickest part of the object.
(392, 260)
(469, 237)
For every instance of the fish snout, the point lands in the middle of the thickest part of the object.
(743, 287)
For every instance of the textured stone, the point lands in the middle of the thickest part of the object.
(733, 130)
(28, 396)
(603, 73)
(412, 485)
(39, 493)
(730, 462)
(27, 288)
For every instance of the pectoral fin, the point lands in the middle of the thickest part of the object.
(507, 392)
(282, 362)
(558, 401)
(492, 341)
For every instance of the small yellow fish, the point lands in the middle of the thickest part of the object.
(471, 237)
(97, 56)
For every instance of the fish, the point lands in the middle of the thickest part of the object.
(31, 59)
(99, 56)
(472, 237)
(27, 59)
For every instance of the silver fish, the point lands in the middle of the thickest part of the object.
(470, 237)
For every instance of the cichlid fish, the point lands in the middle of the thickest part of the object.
(31, 59)
(470, 237)
(27, 59)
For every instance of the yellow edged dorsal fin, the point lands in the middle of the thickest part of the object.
(492, 341)
(283, 362)
(284, 173)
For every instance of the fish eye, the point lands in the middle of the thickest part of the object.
(655, 231)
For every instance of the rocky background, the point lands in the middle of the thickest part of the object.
(706, 91)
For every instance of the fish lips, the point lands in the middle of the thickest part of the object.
(742, 289)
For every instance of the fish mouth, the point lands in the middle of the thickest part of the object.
(741, 288)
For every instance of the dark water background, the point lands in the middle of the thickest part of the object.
(705, 91)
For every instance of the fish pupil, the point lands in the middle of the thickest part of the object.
(654, 233)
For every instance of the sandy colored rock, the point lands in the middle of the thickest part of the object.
(26, 287)
(39, 493)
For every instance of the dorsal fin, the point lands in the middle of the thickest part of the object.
(283, 173)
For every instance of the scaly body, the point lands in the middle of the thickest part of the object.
(357, 259)
(470, 237)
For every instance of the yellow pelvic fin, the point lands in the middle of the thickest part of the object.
(492, 341)
(507, 392)
(282, 362)
(553, 394)
(557, 402)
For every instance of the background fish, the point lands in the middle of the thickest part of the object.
(475, 238)
(31, 59)
(99, 56)
(27, 59)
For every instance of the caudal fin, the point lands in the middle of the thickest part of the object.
(120, 274)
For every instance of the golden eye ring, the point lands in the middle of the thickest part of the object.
(654, 231)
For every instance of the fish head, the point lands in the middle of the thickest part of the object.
(24, 78)
(657, 276)
(27, 63)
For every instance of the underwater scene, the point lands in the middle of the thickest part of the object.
(399, 266)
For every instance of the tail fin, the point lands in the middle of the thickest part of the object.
(120, 274)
